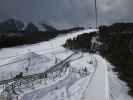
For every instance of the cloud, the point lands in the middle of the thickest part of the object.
(111, 11)
(67, 12)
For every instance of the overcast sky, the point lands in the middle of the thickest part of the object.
(64, 13)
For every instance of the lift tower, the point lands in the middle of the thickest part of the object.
(96, 14)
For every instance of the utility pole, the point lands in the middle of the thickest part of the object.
(96, 14)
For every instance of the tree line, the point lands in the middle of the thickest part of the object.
(81, 42)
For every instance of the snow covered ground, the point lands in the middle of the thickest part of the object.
(118, 88)
(43, 47)
(70, 85)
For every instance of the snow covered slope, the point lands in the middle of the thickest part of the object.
(71, 85)
(29, 63)
(118, 88)
(43, 47)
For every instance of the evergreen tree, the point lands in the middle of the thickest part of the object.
(11, 25)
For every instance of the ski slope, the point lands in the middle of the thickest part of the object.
(43, 47)
(70, 85)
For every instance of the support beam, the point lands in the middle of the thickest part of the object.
(96, 14)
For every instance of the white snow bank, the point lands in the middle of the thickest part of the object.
(117, 88)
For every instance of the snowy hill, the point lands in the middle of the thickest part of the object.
(83, 76)
(29, 63)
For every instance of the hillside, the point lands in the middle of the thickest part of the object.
(117, 47)
(79, 81)
(15, 33)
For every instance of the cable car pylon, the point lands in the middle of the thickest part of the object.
(96, 14)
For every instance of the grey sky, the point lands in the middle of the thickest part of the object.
(64, 13)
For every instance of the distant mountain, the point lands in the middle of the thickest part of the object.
(31, 28)
(11, 25)
(48, 27)
(13, 33)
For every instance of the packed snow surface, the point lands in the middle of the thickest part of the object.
(118, 88)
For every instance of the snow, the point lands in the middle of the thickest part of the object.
(34, 62)
(43, 47)
(100, 84)
(118, 88)
(73, 84)
(98, 87)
